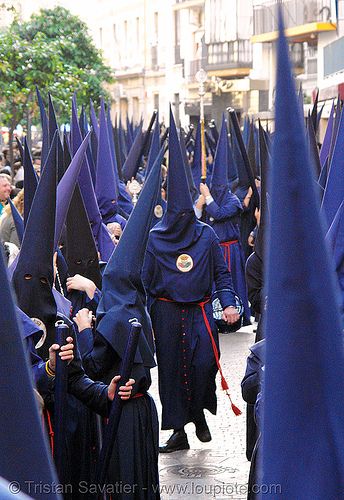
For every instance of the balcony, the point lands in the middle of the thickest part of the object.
(191, 69)
(302, 20)
(232, 59)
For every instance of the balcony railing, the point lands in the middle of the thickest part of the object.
(228, 55)
(296, 13)
(192, 67)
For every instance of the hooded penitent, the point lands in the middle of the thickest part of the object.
(179, 228)
(224, 214)
(123, 294)
(24, 457)
(33, 275)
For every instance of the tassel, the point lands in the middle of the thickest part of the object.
(236, 410)
(224, 384)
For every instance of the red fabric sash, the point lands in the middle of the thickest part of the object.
(227, 244)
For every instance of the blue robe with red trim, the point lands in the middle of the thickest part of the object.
(186, 360)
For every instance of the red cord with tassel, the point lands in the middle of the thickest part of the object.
(224, 384)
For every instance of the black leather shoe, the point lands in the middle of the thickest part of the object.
(178, 441)
(202, 431)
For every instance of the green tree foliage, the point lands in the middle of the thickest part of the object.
(54, 52)
(83, 69)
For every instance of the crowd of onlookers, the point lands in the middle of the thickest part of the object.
(11, 186)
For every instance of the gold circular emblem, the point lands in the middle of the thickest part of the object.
(158, 211)
(184, 263)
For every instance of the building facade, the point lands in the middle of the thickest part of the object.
(156, 49)
(310, 27)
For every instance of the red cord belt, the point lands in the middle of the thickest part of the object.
(224, 384)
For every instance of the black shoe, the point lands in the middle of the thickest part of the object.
(178, 441)
(202, 431)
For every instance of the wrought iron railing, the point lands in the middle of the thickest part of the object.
(229, 55)
(296, 13)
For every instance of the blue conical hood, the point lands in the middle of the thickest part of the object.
(334, 190)
(30, 181)
(325, 148)
(39, 230)
(219, 180)
(123, 294)
(154, 146)
(66, 186)
(178, 192)
(100, 232)
(53, 127)
(105, 188)
(194, 192)
(132, 161)
(44, 123)
(265, 162)
(304, 370)
(112, 147)
(95, 134)
(33, 275)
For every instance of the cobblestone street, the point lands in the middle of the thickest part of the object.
(217, 469)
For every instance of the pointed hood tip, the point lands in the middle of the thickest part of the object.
(178, 192)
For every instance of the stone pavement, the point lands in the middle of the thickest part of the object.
(218, 469)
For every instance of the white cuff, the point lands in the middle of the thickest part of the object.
(208, 199)
(198, 212)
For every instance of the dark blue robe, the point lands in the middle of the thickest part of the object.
(81, 439)
(247, 221)
(135, 454)
(186, 361)
(224, 218)
(251, 386)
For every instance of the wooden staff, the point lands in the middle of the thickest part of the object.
(201, 77)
